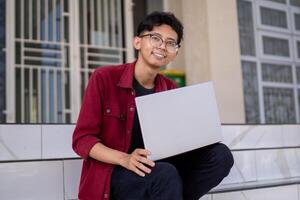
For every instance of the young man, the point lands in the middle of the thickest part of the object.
(108, 134)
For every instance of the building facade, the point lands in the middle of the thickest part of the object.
(248, 48)
(270, 55)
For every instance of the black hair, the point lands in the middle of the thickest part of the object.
(159, 18)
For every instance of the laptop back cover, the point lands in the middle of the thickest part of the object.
(179, 120)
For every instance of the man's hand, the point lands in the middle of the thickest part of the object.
(137, 161)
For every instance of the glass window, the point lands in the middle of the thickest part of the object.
(250, 86)
(295, 3)
(154, 5)
(2, 60)
(298, 49)
(275, 79)
(297, 21)
(276, 46)
(277, 73)
(279, 105)
(298, 74)
(273, 17)
(41, 62)
(18, 96)
(17, 16)
(299, 101)
(279, 1)
(42, 78)
(101, 35)
(101, 23)
(246, 28)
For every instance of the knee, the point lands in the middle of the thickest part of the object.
(165, 168)
(166, 182)
(222, 158)
(166, 171)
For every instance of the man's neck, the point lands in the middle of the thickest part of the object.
(145, 74)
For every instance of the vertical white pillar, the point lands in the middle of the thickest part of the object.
(129, 34)
(75, 78)
(10, 62)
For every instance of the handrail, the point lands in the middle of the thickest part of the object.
(255, 185)
(265, 148)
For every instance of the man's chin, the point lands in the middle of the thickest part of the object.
(159, 64)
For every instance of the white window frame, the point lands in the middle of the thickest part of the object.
(290, 34)
(274, 35)
(10, 61)
(74, 54)
(277, 84)
(275, 6)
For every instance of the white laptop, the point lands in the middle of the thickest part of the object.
(179, 120)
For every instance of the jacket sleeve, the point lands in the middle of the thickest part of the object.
(88, 127)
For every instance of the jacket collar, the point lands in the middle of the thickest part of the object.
(127, 78)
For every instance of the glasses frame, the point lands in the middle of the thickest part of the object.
(162, 42)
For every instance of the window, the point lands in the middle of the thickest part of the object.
(279, 105)
(279, 1)
(246, 28)
(101, 36)
(42, 67)
(297, 21)
(271, 77)
(275, 46)
(294, 2)
(298, 74)
(273, 17)
(250, 84)
(276, 73)
(55, 50)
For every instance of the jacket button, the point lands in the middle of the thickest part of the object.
(132, 92)
(105, 196)
(108, 110)
(131, 109)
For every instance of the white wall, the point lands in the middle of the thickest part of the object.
(37, 161)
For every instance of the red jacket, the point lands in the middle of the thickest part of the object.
(106, 116)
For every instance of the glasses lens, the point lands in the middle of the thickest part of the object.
(156, 41)
(171, 46)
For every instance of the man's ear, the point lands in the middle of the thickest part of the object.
(137, 43)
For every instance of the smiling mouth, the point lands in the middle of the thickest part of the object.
(159, 55)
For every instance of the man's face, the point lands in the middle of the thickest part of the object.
(151, 51)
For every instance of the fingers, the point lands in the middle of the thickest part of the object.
(146, 161)
(140, 169)
(137, 167)
(138, 172)
(139, 160)
(142, 156)
(142, 152)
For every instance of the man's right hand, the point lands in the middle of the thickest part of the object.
(137, 162)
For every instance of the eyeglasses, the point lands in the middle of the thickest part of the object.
(156, 41)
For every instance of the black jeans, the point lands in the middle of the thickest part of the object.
(187, 176)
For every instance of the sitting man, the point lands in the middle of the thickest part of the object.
(108, 134)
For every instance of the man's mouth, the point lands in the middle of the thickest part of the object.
(159, 55)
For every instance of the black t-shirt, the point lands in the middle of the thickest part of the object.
(136, 138)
